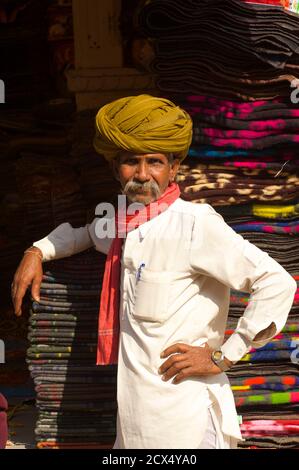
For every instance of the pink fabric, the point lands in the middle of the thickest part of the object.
(108, 331)
(3, 422)
(246, 134)
(262, 427)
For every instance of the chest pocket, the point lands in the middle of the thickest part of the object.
(152, 296)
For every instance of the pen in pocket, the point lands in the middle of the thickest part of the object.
(138, 274)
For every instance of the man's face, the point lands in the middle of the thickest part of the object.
(144, 177)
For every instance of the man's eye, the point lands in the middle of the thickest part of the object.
(155, 161)
(130, 161)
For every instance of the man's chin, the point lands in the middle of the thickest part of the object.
(144, 199)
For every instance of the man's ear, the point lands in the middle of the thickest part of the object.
(174, 168)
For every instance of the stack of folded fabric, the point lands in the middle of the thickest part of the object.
(266, 381)
(229, 129)
(234, 166)
(266, 389)
(224, 47)
(76, 399)
(220, 185)
(231, 65)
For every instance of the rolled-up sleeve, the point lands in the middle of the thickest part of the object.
(66, 241)
(219, 252)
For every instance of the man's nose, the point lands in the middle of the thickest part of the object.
(142, 172)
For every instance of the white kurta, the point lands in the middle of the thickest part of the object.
(188, 259)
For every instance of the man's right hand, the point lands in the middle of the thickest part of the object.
(30, 271)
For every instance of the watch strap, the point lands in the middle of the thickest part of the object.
(220, 362)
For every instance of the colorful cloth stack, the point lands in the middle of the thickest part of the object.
(266, 389)
(231, 65)
(291, 5)
(76, 400)
(219, 185)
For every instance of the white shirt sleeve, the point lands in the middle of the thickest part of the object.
(219, 252)
(66, 240)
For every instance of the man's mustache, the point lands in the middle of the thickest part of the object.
(134, 187)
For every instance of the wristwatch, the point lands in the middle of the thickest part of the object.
(218, 358)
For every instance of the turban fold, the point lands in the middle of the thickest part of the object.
(142, 124)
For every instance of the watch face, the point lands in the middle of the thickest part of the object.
(217, 355)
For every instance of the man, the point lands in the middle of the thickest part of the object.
(166, 287)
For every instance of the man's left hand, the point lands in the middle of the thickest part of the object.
(187, 361)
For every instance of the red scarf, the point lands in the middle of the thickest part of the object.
(108, 330)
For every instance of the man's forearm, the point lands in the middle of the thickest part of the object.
(64, 241)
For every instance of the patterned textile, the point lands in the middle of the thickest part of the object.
(266, 388)
(271, 356)
(271, 442)
(266, 2)
(222, 185)
(278, 114)
(53, 444)
(276, 398)
(268, 211)
(291, 5)
(271, 382)
(245, 140)
(278, 153)
(276, 227)
(240, 298)
(262, 427)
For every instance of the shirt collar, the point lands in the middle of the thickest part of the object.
(145, 228)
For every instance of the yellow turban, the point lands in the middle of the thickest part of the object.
(142, 124)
